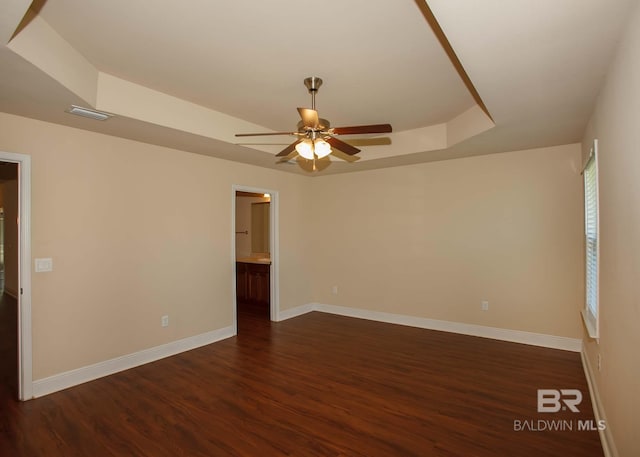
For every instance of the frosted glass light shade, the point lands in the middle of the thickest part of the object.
(305, 149)
(322, 148)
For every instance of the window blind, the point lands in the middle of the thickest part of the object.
(591, 237)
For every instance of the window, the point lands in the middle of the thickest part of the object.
(591, 229)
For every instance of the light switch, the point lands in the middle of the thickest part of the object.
(44, 265)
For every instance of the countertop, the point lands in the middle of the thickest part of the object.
(258, 260)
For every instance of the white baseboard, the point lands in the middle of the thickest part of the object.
(297, 311)
(606, 437)
(72, 378)
(514, 336)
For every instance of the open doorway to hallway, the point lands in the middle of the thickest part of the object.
(9, 279)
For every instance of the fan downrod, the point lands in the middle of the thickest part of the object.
(313, 83)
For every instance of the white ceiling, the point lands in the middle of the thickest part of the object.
(191, 74)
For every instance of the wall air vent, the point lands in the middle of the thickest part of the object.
(90, 113)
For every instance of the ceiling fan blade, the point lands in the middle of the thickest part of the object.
(266, 133)
(341, 145)
(289, 149)
(343, 156)
(309, 117)
(362, 129)
(292, 155)
(375, 141)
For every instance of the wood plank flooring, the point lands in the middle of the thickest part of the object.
(316, 385)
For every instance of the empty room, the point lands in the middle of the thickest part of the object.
(349, 228)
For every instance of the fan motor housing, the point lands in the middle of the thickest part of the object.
(323, 124)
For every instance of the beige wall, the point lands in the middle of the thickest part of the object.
(615, 125)
(11, 247)
(260, 228)
(243, 222)
(433, 240)
(136, 231)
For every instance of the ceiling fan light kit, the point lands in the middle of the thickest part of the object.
(318, 148)
(316, 138)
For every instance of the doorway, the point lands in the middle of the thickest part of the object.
(16, 378)
(255, 253)
(9, 242)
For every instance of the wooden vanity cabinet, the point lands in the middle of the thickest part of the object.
(253, 283)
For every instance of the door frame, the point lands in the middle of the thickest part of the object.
(274, 209)
(25, 348)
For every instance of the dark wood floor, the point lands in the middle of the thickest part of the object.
(316, 385)
(251, 315)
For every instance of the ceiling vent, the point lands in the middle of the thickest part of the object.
(90, 113)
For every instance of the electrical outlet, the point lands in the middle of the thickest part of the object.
(334, 290)
(484, 305)
(165, 321)
(599, 362)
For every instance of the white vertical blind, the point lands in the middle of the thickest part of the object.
(591, 241)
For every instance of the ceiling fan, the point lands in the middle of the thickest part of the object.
(317, 139)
